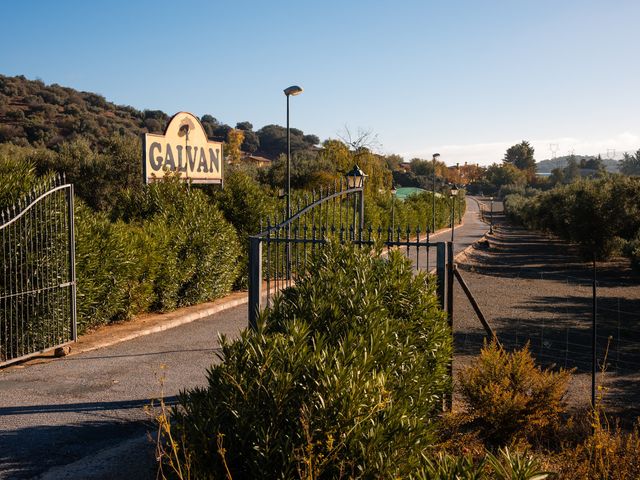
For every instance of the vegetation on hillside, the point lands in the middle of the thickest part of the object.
(602, 216)
(48, 116)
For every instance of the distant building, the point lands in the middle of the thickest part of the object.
(256, 160)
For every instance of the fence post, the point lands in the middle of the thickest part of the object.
(255, 280)
(450, 282)
(440, 272)
(449, 401)
(72, 263)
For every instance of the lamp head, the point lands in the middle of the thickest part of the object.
(293, 90)
(355, 178)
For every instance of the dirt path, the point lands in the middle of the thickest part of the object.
(534, 288)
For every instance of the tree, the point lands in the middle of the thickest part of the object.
(393, 161)
(206, 118)
(421, 167)
(499, 175)
(521, 157)
(360, 139)
(557, 176)
(572, 170)
(595, 163)
(251, 141)
(273, 140)
(630, 164)
(232, 145)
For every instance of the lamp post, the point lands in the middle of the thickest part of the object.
(355, 179)
(290, 91)
(433, 206)
(393, 205)
(454, 196)
(491, 218)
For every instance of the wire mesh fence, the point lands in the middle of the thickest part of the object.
(536, 292)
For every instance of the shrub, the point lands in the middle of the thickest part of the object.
(114, 269)
(170, 247)
(199, 247)
(505, 465)
(605, 455)
(344, 378)
(244, 203)
(17, 174)
(598, 215)
(508, 397)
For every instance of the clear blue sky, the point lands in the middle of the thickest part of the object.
(465, 78)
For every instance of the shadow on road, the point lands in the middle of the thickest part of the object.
(82, 407)
(35, 450)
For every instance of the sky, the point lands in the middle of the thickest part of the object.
(466, 79)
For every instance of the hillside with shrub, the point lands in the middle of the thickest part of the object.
(39, 115)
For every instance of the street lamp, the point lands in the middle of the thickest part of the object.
(433, 206)
(491, 218)
(290, 91)
(355, 179)
(454, 195)
(394, 191)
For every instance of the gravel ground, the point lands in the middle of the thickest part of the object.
(534, 288)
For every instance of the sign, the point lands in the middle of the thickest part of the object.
(184, 148)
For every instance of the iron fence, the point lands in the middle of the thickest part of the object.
(281, 253)
(38, 285)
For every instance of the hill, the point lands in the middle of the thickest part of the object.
(545, 166)
(39, 115)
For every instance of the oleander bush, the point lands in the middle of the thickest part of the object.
(504, 465)
(343, 379)
(245, 204)
(199, 247)
(168, 247)
(17, 174)
(113, 269)
(414, 211)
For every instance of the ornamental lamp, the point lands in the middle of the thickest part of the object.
(355, 178)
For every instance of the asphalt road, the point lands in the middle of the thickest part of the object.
(65, 412)
(84, 416)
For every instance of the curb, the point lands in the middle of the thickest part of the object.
(158, 323)
(139, 326)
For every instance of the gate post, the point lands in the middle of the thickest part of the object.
(255, 280)
(450, 282)
(449, 399)
(440, 272)
(72, 263)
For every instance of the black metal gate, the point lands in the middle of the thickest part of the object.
(38, 284)
(279, 254)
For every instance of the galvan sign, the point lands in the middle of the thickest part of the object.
(183, 148)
